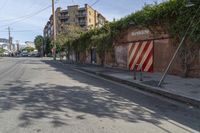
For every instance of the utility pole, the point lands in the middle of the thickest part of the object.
(9, 39)
(54, 30)
(17, 43)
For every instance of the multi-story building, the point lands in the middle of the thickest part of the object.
(4, 43)
(85, 17)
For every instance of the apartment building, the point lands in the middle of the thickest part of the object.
(4, 43)
(85, 17)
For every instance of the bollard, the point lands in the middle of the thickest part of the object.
(134, 74)
(141, 78)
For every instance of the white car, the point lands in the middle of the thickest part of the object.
(6, 53)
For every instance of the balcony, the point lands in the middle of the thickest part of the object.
(64, 17)
(82, 23)
(81, 14)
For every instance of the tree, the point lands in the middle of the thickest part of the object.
(102, 43)
(48, 46)
(2, 50)
(65, 39)
(28, 49)
(39, 41)
(171, 17)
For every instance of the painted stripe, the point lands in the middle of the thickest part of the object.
(138, 55)
(147, 60)
(143, 53)
(150, 63)
(131, 46)
(133, 51)
(149, 50)
(134, 55)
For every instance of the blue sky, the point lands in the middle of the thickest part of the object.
(18, 14)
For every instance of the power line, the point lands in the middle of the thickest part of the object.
(26, 17)
(95, 2)
(11, 19)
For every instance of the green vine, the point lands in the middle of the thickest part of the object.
(173, 16)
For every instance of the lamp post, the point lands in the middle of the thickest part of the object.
(189, 4)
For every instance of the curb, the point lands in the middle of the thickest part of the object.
(144, 87)
(149, 88)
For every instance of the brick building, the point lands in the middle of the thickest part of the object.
(85, 17)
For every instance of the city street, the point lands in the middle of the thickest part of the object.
(44, 96)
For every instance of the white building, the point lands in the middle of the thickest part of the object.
(30, 44)
(4, 43)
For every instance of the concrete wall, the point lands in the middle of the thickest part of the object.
(163, 52)
(110, 58)
(121, 55)
(164, 48)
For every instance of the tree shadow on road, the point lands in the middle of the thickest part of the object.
(52, 102)
(49, 101)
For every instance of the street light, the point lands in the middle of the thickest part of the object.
(189, 4)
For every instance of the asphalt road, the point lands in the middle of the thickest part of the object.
(43, 96)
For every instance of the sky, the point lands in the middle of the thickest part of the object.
(27, 18)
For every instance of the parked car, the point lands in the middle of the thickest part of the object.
(24, 54)
(37, 55)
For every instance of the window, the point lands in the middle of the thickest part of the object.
(89, 20)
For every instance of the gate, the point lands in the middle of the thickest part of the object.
(140, 55)
(93, 56)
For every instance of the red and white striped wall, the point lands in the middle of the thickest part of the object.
(140, 54)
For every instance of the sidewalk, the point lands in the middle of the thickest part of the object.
(185, 90)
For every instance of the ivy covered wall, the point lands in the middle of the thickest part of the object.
(173, 16)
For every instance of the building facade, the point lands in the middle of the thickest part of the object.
(9, 48)
(85, 17)
(141, 49)
(30, 44)
(4, 43)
